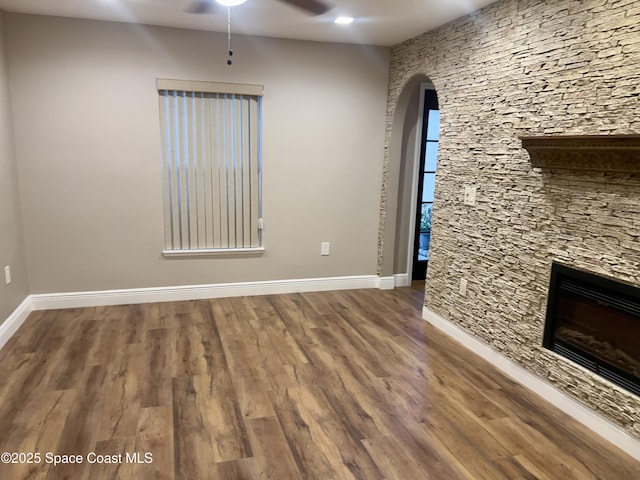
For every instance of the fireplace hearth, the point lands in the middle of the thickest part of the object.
(595, 322)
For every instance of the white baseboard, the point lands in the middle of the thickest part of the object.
(13, 321)
(52, 301)
(592, 420)
(401, 280)
(386, 283)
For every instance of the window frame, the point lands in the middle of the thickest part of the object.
(164, 88)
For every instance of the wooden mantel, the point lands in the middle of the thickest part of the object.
(602, 153)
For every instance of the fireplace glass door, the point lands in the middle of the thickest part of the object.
(595, 322)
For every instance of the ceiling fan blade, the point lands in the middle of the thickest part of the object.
(202, 6)
(314, 7)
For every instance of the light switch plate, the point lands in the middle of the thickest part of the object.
(470, 196)
(463, 287)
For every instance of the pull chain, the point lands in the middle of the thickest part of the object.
(230, 51)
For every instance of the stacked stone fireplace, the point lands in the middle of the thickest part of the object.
(591, 191)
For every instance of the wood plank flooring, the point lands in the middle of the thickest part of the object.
(332, 385)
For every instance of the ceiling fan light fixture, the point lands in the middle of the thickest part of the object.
(343, 20)
(230, 3)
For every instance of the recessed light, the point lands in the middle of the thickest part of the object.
(343, 20)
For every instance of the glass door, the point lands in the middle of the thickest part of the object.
(426, 184)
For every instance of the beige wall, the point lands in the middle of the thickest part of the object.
(11, 240)
(88, 151)
(407, 177)
(525, 68)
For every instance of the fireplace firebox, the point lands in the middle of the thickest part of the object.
(595, 322)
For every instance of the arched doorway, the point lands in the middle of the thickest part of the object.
(405, 179)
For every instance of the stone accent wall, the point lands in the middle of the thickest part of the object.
(525, 67)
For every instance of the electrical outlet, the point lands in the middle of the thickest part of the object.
(325, 248)
(470, 195)
(463, 287)
(7, 274)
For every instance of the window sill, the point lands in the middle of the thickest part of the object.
(215, 252)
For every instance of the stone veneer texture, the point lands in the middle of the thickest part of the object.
(524, 67)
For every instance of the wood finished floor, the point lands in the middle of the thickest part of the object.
(335, 385)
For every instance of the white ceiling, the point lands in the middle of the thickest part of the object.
(378, 22)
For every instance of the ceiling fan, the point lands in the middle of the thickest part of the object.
(312, 7)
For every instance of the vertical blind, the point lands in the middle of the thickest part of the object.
(211, 166)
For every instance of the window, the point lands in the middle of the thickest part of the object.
(211, 154)
(430, 163)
